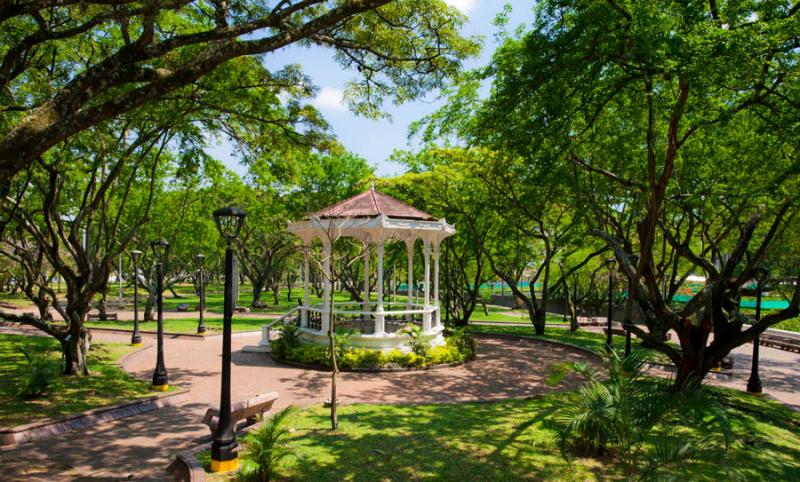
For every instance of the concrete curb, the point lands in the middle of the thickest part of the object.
(50, 427)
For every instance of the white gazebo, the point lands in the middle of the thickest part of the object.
(374, 219)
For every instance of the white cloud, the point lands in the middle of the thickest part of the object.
(329, 98)
(465, 6)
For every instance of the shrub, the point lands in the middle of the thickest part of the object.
(341, 339)
(420, 343)
(40, 375)
(459, 347)
(621, 410)
(290, 338)
(265, 447)
(440, 355)
(310, 354)
(464, 342)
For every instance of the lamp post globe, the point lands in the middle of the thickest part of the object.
(136, 338)
(160, 249)
(201, 325)
(609, 335)
(224, 457)
(754, 382)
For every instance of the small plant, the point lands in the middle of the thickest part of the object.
(289, 339)
(343, 337)
(265, 447)
(420, 343)
(463, 342)
(41, 374)
(621, 412)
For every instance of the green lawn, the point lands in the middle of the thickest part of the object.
(789, 325)
(108, 383)
(188, 325)
(501, 314)
(501, 441)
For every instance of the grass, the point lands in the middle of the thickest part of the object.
(501, 314)
(502, 441)
(108, 383)
(789, 325)
(187, 325)
(587, 340)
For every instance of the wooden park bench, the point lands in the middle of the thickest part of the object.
(96, 316)
(782, 343)
(246, 410)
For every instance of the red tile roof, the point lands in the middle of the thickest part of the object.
(370, 204)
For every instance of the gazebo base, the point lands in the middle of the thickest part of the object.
(384, 342)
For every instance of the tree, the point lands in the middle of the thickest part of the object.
(439, 182)
(337, 253)
(70, 65)
(36, 276)
(74, 215)
(666, 113)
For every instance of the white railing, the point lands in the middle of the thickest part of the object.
(266, 330)
(371, 320)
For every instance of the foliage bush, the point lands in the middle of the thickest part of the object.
(621, 412)
(40, 374)
(265, 447)
(289, 339)
(420, 342)
(458, 348)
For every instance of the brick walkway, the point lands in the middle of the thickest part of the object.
(141, 446)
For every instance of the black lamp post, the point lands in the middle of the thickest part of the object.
(754, 383)
(160, 249)
(223, 448)
(201, 326)
(136, 338)
(609, 336)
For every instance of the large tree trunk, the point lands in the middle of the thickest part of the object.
(148, 307)
(276, 292)
(76, 347)
(258, 288)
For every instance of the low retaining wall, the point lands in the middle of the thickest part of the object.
(51, 427)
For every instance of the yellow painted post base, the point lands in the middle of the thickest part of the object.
(161, 388)
(136, 344)
(224, 465)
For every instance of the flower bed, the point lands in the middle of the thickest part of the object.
(458, 348)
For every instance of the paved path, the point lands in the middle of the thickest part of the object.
(143, 445)
(778, 369)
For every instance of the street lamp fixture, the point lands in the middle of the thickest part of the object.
(136, 338)
(201, 326)
(229, 222)
(754, 382)
(224, 458)
(609, 336)
(160, 249)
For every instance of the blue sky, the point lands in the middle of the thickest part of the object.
(375, 140)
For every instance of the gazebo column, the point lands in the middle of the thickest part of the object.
(306, 282)
(436, 298)
(410, 290)
(326, 286)
(426, 316)
(379, 317)
(365, 304)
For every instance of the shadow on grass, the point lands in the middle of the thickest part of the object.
(484, 441)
